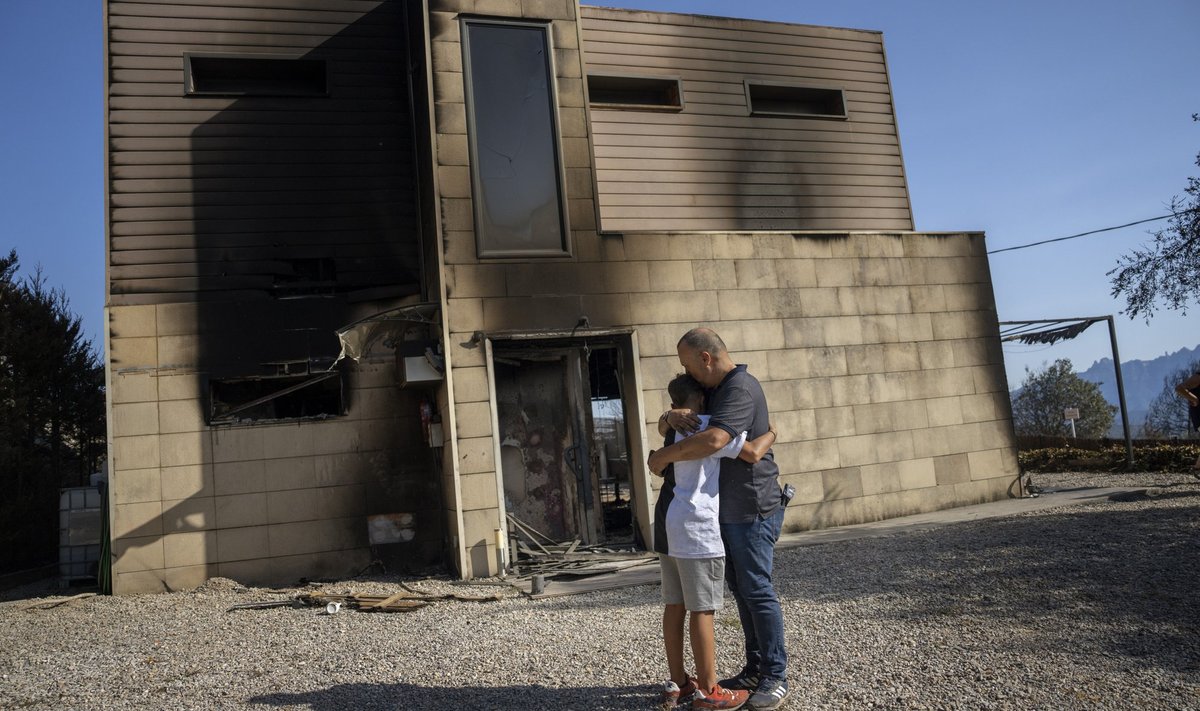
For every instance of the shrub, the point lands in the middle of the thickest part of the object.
(1147, 456)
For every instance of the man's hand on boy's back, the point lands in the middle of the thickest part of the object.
(701, 445)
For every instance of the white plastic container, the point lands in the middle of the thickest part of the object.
(78, 534)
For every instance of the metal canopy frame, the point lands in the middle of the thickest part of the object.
(1050, 331)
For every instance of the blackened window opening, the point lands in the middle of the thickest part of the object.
(255, 76)
(289, 397)
(305, 277)
(785, 100)
(634, 92)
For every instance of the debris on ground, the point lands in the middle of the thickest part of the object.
(540, 555)
(408, 599)
(51, 604)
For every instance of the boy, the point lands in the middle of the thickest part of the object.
(688, 537)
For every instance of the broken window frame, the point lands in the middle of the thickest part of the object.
(486, 234)
(289, 385)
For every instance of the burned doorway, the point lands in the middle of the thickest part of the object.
(562, 416)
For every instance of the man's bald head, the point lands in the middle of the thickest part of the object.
(704, 339)
(704, 356)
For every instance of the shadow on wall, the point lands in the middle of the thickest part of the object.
(295, 214)
(307, 220)
(305, 202)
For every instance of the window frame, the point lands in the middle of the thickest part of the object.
(288, 384)
(841, 92)
(482, 250)
(617, 106)
(189, 73)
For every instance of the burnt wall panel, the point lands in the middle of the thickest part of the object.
(713, 165)
(245, 228)
(247, 196)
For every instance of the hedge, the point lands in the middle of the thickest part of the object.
(1110, 457)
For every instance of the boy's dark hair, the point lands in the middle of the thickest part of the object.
(682, 387)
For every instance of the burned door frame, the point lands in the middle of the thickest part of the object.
(625, 342)
(544, 429)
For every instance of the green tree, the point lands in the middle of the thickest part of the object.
(51, 413)
(1168, 413)
(1045, 394)
(1165, 273)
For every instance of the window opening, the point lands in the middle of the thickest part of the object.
(767, 99)
(516, 168)
(306, 278)
(248, 75)
(635, 92)
(284, 397)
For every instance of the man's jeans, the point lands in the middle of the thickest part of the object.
(749, 558)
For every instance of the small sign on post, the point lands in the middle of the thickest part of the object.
(1071, 414)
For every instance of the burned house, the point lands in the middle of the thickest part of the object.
(506, 212)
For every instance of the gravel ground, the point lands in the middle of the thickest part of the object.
(1083, 607)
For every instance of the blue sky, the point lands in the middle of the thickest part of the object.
(1027, 120)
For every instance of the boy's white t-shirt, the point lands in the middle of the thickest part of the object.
(693, 530)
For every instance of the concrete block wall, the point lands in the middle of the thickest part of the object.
(257, 503)
(879, 355)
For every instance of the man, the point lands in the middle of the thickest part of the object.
(751, 508)
(1190, 390)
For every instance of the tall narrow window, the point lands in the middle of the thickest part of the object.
(516, 169)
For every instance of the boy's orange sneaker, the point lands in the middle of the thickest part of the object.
(718, 698)
(674, 695)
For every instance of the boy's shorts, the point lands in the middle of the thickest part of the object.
(697, 583)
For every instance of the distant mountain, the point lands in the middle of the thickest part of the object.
(1143, 382)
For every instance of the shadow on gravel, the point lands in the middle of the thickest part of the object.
(413, 696)
(1126, 581)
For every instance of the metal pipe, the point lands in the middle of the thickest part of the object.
(501, 552)
(1055, 320)
(1112, 335)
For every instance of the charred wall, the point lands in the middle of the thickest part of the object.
(255, 194)
(263, 193)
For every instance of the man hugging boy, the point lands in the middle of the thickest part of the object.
(688, 538)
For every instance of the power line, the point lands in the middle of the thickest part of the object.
(1092, 232)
